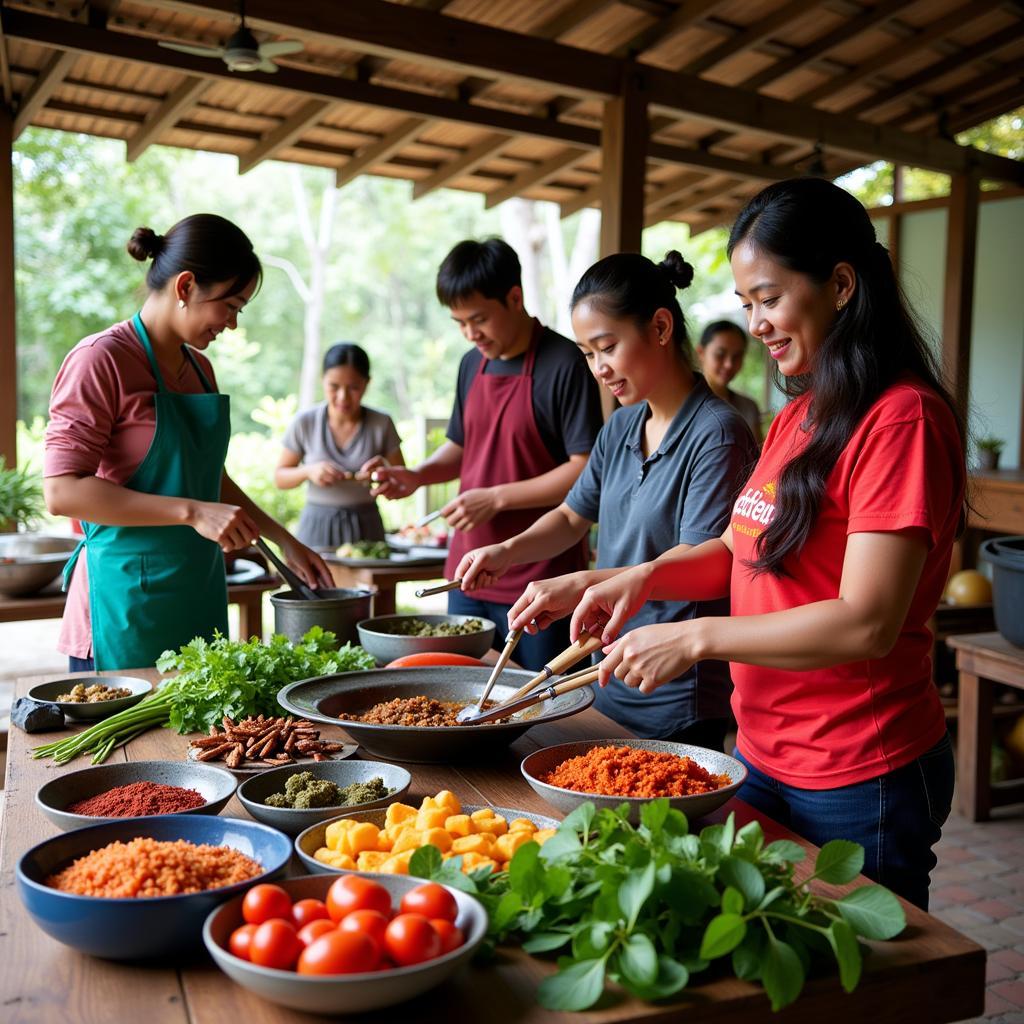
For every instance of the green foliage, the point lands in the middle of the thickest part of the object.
(21, 496)
(649, 907)
(990, 444)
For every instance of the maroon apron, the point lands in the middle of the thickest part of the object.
(503, 445)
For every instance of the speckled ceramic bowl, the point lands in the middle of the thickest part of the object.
(49, 692)
(53, 798)
(290, 820)
(377, 636)
(543, 761)
(343, 993)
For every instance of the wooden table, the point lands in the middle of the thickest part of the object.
(930, 974)
(384, 579)
(982, 659)
(50, 605)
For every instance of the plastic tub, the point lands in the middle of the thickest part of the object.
(1006, 554)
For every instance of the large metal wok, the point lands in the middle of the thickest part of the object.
(333, 699)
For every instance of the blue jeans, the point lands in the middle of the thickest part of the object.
(897, 817)
(81, 665)
(533, 652)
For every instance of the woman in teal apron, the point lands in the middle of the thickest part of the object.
(154, 542)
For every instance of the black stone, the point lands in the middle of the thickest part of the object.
(35, 716)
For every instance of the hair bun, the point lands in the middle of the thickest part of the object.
(678, 271)
(145, 244)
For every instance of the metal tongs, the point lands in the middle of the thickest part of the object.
(583, 647)
(471, 711)
(566, 684)
(293, 581)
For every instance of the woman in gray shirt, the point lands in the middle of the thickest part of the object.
(328, 446)
(721, 350)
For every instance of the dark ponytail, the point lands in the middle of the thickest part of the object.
(809, 225)
(629, 286)
(212, 248)
(346, 353)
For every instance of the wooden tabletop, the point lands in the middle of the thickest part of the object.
(991, 655)
(931, 973)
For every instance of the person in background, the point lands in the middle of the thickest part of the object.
(328, 445)
(523, 423)
(721, 351)
(837, 551)
(135, 449)
(664, 472)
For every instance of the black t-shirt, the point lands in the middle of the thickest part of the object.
(566, 402)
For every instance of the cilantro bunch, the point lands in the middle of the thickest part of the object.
(650, 906)
(240, 678)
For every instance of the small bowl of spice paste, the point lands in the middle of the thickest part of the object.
(134, 789)
(297, 796)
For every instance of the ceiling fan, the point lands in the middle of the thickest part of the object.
(242, 51)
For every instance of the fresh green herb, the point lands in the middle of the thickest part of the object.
(649, 907)
(218, 678)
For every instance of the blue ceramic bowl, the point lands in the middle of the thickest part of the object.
(147, 927)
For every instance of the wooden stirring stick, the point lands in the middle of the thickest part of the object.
(565, 685)
(586, 645)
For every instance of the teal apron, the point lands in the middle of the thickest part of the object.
(152, 588)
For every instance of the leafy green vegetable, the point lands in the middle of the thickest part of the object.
(648, 907)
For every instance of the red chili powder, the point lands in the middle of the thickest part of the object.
(630, 771)
(138, 799)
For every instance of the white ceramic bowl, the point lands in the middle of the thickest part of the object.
(343, 993)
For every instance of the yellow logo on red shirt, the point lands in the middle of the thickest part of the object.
(754, 510)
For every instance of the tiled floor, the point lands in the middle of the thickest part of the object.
(977, 888)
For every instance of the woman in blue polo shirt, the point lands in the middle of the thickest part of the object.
(663, 472)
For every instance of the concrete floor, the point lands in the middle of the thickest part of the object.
(977, 888)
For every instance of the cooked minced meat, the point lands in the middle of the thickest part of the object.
(420, 711)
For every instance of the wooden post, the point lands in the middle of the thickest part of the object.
(8, 360)
(958, 303)
(623, 167)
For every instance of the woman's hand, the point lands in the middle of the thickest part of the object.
(306, 563)
(389, 481)
(651, 656)
(325, 474)
(471, 508)
(483, 567)
(230, 526)
(546, 601)
(606, 607)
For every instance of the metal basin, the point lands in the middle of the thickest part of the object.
(333, 699)
(337, 610)
(36, 561)
(377, 637)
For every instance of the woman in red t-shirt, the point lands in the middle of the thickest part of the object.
(837, 550)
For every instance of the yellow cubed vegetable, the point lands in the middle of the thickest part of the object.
(497, 825)
(472, 861)
(384, 841)
(410, 839)
(394, 831)
(397, 864)
(460, 825)
(431, 817)
(446, 798)
(343, 862)
(541, 836)
(371, 860)
(480, 843)
(484, 812)
(336, 830)
(437, 837)
(505, 846)
(324, 855)
(521, 825)
(361, 838)
(397, 813)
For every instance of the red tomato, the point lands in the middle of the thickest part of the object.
(410, 939)
(275, 943)
(353, 892)
(309, 910)
(262, 902)
(434, 658)
(431, 900)
(240, 940)
(339, 952)
(312, 931)
(450, 935)
(367, 922)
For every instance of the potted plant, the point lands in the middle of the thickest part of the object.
(988, 452)
(21, 498)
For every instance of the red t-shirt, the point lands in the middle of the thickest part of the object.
(902, 469)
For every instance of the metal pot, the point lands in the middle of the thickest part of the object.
(337, 610)
(30, 561)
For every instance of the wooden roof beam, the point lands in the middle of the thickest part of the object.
(669, 192)
(748, 170)
(5, 68)
(698, 197)
(165, 116)
(588, 197)
(51, 74)
(379, 152)
(461, 166)
(534, 176)
(284, 135)
(687, 14)
(985, 109)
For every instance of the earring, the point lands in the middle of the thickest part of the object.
(840, 304)
(181, 303)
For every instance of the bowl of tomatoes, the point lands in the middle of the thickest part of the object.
(344, 944)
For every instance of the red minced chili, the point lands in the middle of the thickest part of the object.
(138, 799)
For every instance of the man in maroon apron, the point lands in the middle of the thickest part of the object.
(524, 420)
